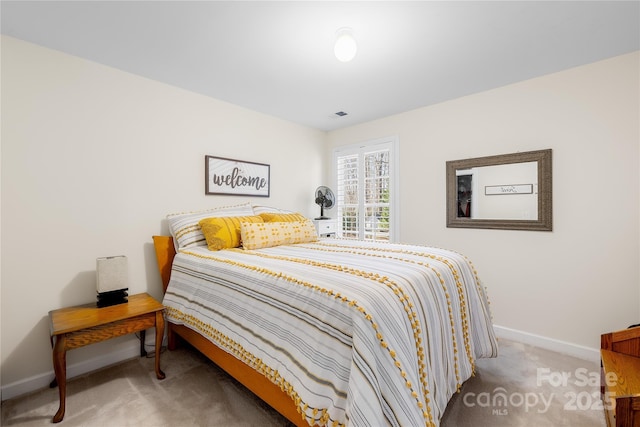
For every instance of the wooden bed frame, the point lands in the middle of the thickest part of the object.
(247, 376)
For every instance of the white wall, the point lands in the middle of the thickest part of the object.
(580, 280)
(93, 159)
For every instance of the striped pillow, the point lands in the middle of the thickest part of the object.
(258, 209)
(186, 231)
(224, 232)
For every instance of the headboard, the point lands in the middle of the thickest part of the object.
(165, 251)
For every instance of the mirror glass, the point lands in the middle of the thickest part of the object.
(478, 190)
(509, 191)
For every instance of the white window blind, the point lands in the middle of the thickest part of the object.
(365, 190)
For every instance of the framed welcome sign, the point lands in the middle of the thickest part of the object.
(236, 177)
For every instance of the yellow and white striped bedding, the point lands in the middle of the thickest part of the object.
(357, 333)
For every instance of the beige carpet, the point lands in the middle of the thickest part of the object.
(524, 386)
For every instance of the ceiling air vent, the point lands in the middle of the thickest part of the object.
(341, 114)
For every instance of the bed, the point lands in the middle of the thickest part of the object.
(327, 331)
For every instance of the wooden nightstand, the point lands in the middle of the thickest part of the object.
(326, 227)
(78, 326)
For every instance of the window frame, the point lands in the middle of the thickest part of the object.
(392, 144)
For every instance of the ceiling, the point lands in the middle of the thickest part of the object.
(277, 57)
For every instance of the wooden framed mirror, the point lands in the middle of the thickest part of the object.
(507, 191)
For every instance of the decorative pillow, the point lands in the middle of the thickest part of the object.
(186, 231)
(282, 217)
(224, 232)
(268, 234)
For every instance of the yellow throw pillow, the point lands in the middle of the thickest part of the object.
(224, 232)
(268, 234)
(282, 217)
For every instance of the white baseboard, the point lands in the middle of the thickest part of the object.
(41, 381)
(37, 382)
(575, 350)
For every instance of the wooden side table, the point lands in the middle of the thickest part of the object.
(78, 326)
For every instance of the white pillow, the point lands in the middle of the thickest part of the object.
(186, 231)
(258, 209)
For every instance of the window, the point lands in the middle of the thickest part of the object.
(366, 189)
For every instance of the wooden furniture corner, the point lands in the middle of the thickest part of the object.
(620, 388)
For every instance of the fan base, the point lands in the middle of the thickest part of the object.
(322, 217)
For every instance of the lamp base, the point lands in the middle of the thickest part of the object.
(106, 299)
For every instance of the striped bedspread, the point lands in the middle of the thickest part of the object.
(357, 333)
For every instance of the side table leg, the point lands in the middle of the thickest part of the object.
(60, 368)
(53, 383)
(143, 337)
(159, 336)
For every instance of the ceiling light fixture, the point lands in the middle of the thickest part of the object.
(346, 47)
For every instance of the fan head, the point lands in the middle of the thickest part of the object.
(325, 199)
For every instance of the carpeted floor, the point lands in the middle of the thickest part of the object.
(524, 386)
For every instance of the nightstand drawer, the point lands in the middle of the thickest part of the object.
(326, 227)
